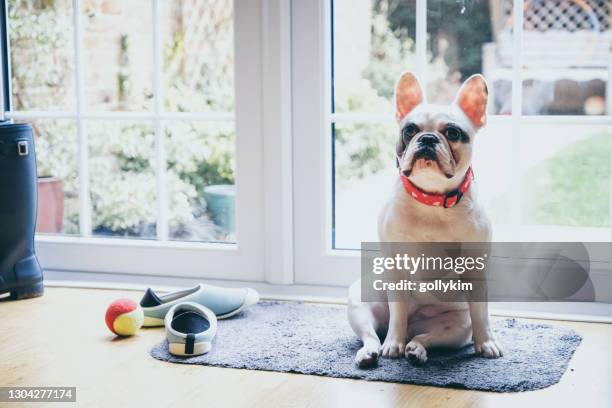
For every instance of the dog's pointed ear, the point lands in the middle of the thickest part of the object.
(472, 99)
(408, 95)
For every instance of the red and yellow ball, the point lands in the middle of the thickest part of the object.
(124, 317)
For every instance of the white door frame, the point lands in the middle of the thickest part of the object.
(315, 261)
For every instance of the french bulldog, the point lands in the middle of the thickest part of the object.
(433, 200)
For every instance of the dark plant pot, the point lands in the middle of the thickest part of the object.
(50, 214)
(220, 203)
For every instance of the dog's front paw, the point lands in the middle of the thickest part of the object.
(392, 348)
(488, 349)
(367, 356)
(416, 353)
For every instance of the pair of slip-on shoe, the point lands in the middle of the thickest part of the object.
(190, 315)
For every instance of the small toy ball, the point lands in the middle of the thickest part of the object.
(124, 317)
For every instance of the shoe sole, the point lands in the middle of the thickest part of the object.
(26, 292)
(152, 322)
(178, 349)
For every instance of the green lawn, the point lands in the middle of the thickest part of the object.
(571, 188)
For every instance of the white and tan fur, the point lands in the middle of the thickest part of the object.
(417, 323)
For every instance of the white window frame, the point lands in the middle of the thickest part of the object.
(283, 168)
(241, 261)
(316, 262)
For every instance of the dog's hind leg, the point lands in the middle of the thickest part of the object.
(450, 329)
(367, 319)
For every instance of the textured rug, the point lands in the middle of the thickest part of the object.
(316, 339)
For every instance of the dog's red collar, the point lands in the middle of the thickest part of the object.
(447, 200)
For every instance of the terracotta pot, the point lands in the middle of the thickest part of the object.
(50, 216)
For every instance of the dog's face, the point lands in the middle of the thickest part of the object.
(434, 147)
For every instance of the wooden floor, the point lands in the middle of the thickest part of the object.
(60, 340)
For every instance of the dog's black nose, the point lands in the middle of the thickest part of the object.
(428, 140)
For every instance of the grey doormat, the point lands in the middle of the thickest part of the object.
(316, 339)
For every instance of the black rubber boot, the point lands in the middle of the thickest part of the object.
(20, 272)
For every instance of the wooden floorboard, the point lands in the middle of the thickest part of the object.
(60, 340)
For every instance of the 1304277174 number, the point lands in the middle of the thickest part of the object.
(42, 394)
